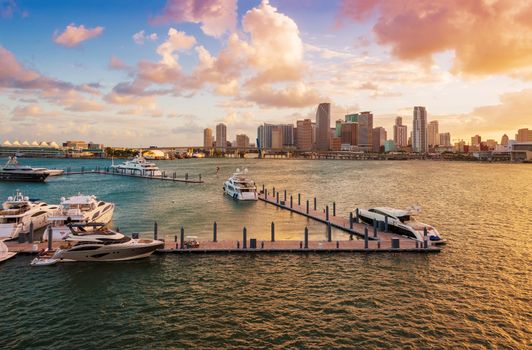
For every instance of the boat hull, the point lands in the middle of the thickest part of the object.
(241, 196)
(109, 252)
(22, 176)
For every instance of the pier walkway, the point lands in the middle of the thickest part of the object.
(109, 171)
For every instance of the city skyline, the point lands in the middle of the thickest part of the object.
(161, 72)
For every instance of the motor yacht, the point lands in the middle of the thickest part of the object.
(401, 222)
(79, 209)
(138, 166)
(93, 242)
(18, 212)
(240, 187)
(4, 252)
(12, 171)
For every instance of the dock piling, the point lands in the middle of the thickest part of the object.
(350, 220)
(155, 230)
(214, 232)
(315, 203)
(30, 236)
(307, 206)
(329, 232)
(244, 237)
(285, 195)
(386, 224)
(306, 237)
(182, 243)
(366, 237)
(327, 213)
(291, 202)
(334, 208)
(356, 216)
(273, 231)
(299, 199)
(337, 244)
(425, 238)
(50, 236)
(277, 197)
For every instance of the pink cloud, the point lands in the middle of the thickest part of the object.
(216, 16)
(116, 63)
(297, 95)
(72, 36)
(486, 36)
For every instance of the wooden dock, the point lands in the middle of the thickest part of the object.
(163, 177)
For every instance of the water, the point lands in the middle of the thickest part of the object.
(474, 294)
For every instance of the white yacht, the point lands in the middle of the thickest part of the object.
(79, 209)
(137, 166)
(4, 252)
(240, 187)
(401, 222)
(18, 212)
(94, 243)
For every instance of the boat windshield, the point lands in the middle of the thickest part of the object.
(405, 218)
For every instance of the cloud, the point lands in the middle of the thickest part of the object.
(297, 95)
(32, 110)
(116, 63)
(72, 36)
(9, 8)
(216, 16)
(487, 37)
(139, 38)
(176, 41)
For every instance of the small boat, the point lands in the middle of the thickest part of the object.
(4, 252)
(240, 187)
(78, 209)
(44, 258)
(19, 212)
(12, 171)
(137, 166)
(98, 244)
(401, 222)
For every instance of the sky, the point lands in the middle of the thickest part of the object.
(138, 73)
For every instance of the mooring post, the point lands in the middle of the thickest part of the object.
(425, 238)
(50, 236)
(200, 177)
(182, 243)
(273, 190)
(386, 224)
(186, 176)
(334, 208)
(315, 203)
(307, 206)
(244, 238)
(291, 202)
(273, 231)
(285, 195)
(214, 232)
(299, 199)
(366, 237)
(175, 241)
(379, 244)
(277, 197)
(329, 232)
(266, 194)
(327, 213)
(356, 216)
(155, 230)
(337, 244)
(306, 237)
(262, 188)
(30, 236)
(374, 228)
(350, 220)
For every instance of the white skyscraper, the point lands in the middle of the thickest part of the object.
(221, 136)
(433, 136)
(419, 130)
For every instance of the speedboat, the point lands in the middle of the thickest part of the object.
(401, 222)
(4, 252)
(137, 166)
(12, 171)
(79, 209)
(19, 212)
(98, 244)
(240, 187)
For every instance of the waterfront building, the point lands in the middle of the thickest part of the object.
(445, 139)
(389, 146)
(304, 135)
(419, 132)
(378, 138)
(433, 137)
(460, 146)
(75, 145)
(242, 141)
(221, 136)
(521, 151)
(491, 144)
(349, 134)
(336, 143)
(504, 140)
(277, 137)
(265, 136)
(475, 143)
(365, 128)
(287, 131)
(35, 149)
(207, 138)
(338, 129)
(323, 125)
(400, 133)
(523, 135)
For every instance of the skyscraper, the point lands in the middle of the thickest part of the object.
(445, 139)
(207, 138)
(419, 132)
(338, 128)
(242, 141)
(523, 135)
(400, 133)
(221, 136)
(323, 125)
(304, 135)
(432, 133)
(475, 143)
(349, 134)
(378, 138)
(365, 128)
(504, 140)
(288, 134)
(277, 137)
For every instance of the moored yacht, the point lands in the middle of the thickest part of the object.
(13, 171)
(79, 209)
(137, 166)
(401, 222)
(19, 212)
(240, 187)
(98, 244)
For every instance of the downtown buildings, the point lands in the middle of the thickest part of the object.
(419, 130)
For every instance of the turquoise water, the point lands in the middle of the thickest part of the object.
(475, 294)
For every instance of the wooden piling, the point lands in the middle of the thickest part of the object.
(299, 199)
(315, 203)
(214, 232)
(329, 232)
(182, 243)
(285, 195)
(350, 220)
(326, 213)
(244, 238)
(366, 237)
(306, 237)
(273, 232)
(155, 230)
(50, 236)
(307, 206)
(334, 208)
(30, 236)
(291, 206)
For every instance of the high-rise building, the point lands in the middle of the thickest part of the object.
(349, 134)
(336, 143)
(419, 132)
(400, 133)
(264, 135)
(242, 141)
(432, 134)
(475, 143)
(378, 138)
(523, 135)
(323, 126)
(221, 135)
(504, 140)
(288, 134)
(207, 138)
(445, 139)
(304, 135)
(491, 144)
(365, 128)
(277, 137)
(338, 129)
